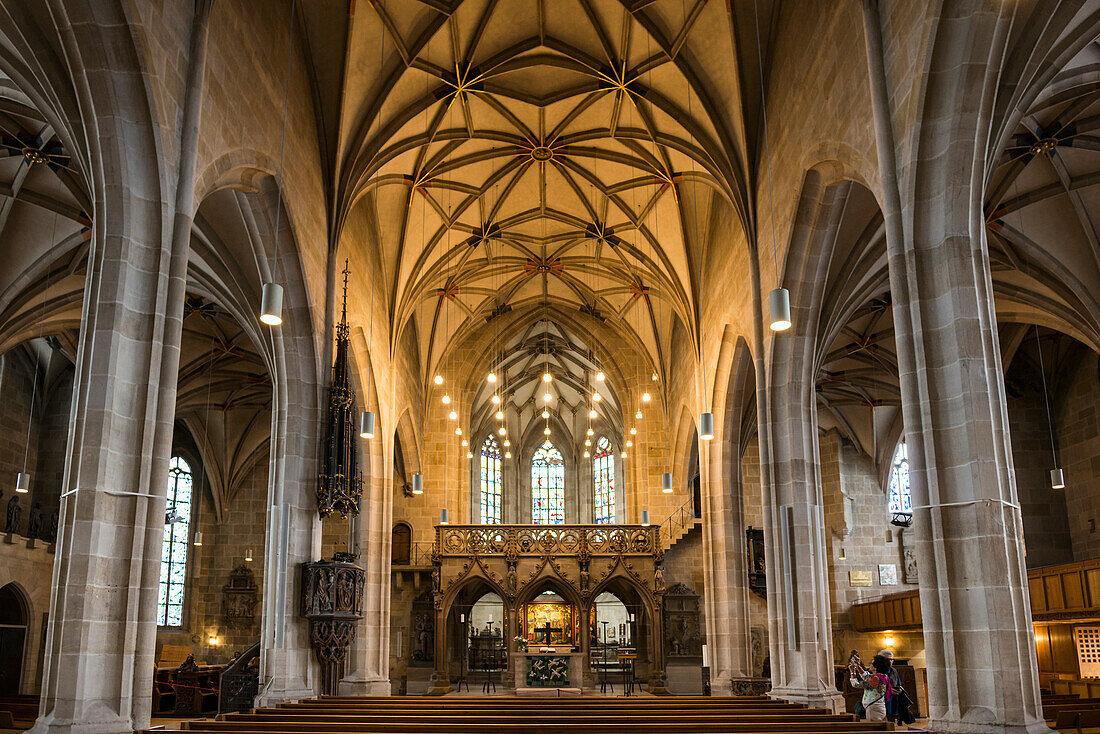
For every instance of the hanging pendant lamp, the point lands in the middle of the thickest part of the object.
(443, 516)
(780, 301)
(23, 483)
(1057, 479)
(706, 426)
(645, 518)
(418, 483)
(666, 483)
(271, 304)
(366, 424)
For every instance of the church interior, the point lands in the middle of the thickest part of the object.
(600, 365)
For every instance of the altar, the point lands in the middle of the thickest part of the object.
(539, 672)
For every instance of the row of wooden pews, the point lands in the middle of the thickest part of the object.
(18, 711)
(1068, 711)
(509, 715)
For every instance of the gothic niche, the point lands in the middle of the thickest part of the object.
(422, 631)
(239, 599)
(682, 637)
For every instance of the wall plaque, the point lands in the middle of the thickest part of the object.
(859, 578)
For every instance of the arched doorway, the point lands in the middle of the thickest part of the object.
(629, 630)
(401, 545)
(13, 638)
(476, 631)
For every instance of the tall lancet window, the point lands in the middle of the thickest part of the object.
(490, 481)
(603, 475)
(173, 555)
(547, 486)
(901, 498)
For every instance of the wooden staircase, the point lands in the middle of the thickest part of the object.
(510, 715)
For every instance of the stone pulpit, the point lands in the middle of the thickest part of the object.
(332, 601)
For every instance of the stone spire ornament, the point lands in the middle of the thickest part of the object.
(339, 485)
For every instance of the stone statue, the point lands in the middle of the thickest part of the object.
(910, 573)
(52, 531)
(34, 522)
(15, 514)
(757, 644)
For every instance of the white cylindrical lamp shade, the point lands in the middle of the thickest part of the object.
(1057, 479)
(706, 426)
(666, 482)
(198, 538)
(23, 483)
(366, 424)
(418, 483)
(271, 304)
(443, 519)
(645, 518)
(780, 302)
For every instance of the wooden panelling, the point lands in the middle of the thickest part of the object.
(894, 612)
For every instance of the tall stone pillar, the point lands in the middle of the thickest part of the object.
(369, 659)
(982, 668)
(724, 580)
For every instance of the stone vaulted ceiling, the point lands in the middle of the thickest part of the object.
(554, 156)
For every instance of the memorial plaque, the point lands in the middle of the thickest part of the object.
(859, 578)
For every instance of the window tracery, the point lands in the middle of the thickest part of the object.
(547, 486)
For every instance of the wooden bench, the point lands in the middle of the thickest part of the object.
(18, 711)
(1077, 719)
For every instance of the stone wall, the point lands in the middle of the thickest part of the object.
(1046, 524)
(31, 570)
(1076, 407)
(753, 504)
(16, 378)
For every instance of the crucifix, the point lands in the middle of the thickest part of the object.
(546, 637)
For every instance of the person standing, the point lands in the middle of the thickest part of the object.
(877, 689)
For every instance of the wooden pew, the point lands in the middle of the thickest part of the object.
(20, 710)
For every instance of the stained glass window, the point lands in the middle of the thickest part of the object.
(490, 482)
(603, 474)
(901, 499)
(547, 486)
(177, 532)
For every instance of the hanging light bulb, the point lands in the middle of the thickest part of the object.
(586, 454)
(443, 516)
(499, 415)
(597, 397)
(469, 455)
(645, 518)
(666, 483)
(495, 399)
(248, 555)
(646, 397)
(592, 413)
(547, 377)
(446, 399)
(629, 443)
(458, 431)
(198, 539)
(465, 442)
(545, 413)
(271, 304)
(599, 377)
(653, 377)
(23, 482)
(507, 454)
(453, 415)
(1057, 479)
(638, 415)
(587, 442)
(546, 431)
(633, 431)
(623, 454)
(780, 301)
(418, 483)
(591, 432)
(502, 431)
(507, 443)
(439, 379)
(706, 426)
(547, 397)
(491, 377)
(366, 424)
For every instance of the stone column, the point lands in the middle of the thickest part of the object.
(724, 580)
(367, 672)
(801, 617)
(982, 668)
